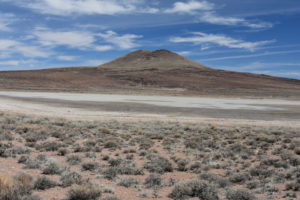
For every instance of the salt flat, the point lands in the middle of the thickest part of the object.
(169, 101)
(110, 106)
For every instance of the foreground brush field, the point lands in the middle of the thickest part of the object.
(53, 159)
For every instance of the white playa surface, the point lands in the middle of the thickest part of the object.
(17, 102)
(169, 101)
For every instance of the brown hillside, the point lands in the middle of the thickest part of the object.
(150, 72)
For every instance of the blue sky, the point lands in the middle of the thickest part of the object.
(257, 36)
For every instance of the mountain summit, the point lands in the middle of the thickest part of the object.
(160, 59)
(151, 72)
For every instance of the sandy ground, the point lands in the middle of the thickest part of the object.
(270, 112)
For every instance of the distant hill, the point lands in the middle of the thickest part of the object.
(151, 72)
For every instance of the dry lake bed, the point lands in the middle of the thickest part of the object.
(89, 106)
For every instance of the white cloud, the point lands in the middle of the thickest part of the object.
(88, 7)
(66, 58)
(252, 55)
(10, 62)
(72, 39)
(94, 62)
(200, 38)
(85, 40)
(103, 47)
(8, 47)
(206, 12)
(184, 53)
(6, 44)
(32, 51)
(212, 18)
(190, 6)
(294, 73)
(126, 41)
(5, 20)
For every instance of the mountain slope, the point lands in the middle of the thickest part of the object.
(145, 59)
(151, 72)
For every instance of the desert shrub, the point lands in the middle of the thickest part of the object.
(23, 159)
(16, 189)
(297, 150)
(127, 170)
(115, 162)
(215, 179)
(105, 157)
(290, 158)
(194, 188)
(86, 191)
(195, 167)
(32, 164)
(111, 198)
(153, 180)
(237, 178)
(128, 182)
(90, 166)
(295, 185)
(260, 171)
(90, 155)
(53, 167)
(240, 194)
(110, 173)
(158, 164)
(146, 144)
(44, 183)
(129, 156)
(25, 183)
(62, 151)
(143, 153)
(111, 144)
(252, 185)
(49, 146)
(182, 165)
(90, 142)
(74, 159)
(69, 178)
(6, 150)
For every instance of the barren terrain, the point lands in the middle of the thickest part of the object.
(151, 72)
(132, 107)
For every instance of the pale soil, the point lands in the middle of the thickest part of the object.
(225, 111)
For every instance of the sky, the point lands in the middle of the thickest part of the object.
(256, 36)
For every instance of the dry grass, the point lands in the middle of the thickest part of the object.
(146, 160)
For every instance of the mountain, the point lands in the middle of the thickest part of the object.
(151, 72)
(145, 59)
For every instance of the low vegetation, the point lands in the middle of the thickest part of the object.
(164, 160)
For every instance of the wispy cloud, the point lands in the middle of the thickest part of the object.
(66, 58)
(207, 12)
(9, 47)
(213, 18)
(126, 41)
(87, 7)
(252, 55)
(103, 47)
(6, 19)
(190, 7)
(260, 65)
(199, 38)
(10, 62)
(73, 39)
(94, 62)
